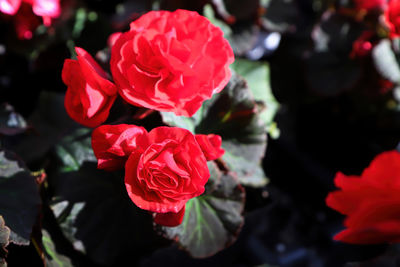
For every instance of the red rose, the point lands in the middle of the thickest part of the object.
(211, 145)
(392, 18)
(171, 61)
(90, 94)
(369, 4)
(370, 201)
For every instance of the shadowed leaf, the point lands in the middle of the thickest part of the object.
(93, 208)
(211, 221)
(19, 198)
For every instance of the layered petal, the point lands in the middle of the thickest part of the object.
(210, 145)
(171, 61)
(89, 95)
(113, 144)
(169, 172)
(370, 201)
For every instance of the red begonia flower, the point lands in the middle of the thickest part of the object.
(163, 168)
(370, 201)
(112, 144)
(370, 4)
(171, 61)
(170, 171)
(90, 94)
(210, 145)
(392, 18)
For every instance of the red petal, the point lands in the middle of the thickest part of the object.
(112, 144)
(9, 7)
(46, 8)
(93, 73)
(210, 145)
(170, 219)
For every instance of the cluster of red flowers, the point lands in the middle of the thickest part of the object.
(167, 61)
(370, 201)
(390, 11)
(164, 168)
(26, 21)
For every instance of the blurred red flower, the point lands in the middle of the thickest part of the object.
(370, 201)
(370, 4)
(392, 18)
(171, 61)
(26, 21)
(90, 94)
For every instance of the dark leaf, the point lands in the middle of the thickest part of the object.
(245, 161)
(323, 70)
(242, 37)
(93, 208)
(19, 198)
(212, 221)
(50, 123)
(238, 118)
(336, 33)
(257, 76)
(74, 149)
(281, 16)
(246, 12)
(390, 258)
(4, 240)
(11, 122)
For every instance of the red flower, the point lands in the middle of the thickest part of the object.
(171, 61)
(170, 171)
(363, 45)
(370, 201)
(164, 168)
(89, 95)
(369, 4)
(25, 22)
(392, 18)
(211, 145)
(112, 144)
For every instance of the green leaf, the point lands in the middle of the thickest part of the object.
(19, 198)
(11, 122)
(208, 12)
(93, 208)
(52, 256)
(258, 78)
(74, 149)
(237, 117)
(212, 221)
(245, 161)
(171, 119)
